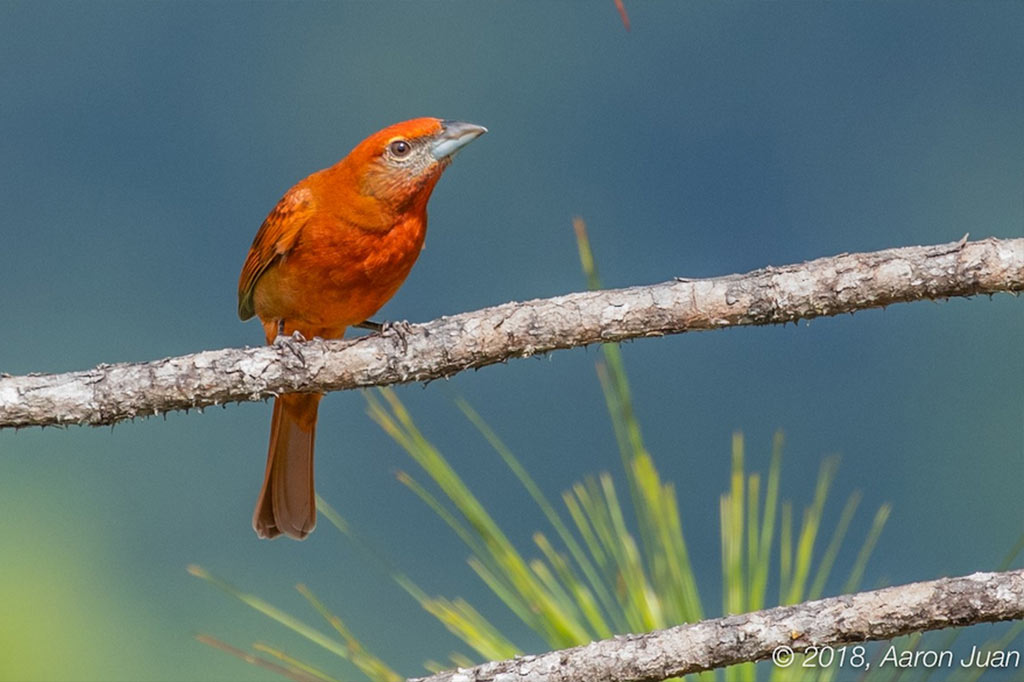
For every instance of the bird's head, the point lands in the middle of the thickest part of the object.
(400, 164)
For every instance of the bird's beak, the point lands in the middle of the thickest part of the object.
(454, 136)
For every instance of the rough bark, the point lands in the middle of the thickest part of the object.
(709, 644)
(423, 352)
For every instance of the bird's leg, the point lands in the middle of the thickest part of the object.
(295, 336)
(371, 325)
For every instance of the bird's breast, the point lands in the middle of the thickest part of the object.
(339, 274)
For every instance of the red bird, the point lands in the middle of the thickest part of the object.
(331, 253)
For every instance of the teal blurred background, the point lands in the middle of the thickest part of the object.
(143, 143)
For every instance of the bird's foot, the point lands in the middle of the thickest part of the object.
(291, 342)
(401, 329)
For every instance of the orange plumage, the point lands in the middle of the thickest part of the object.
(331, 253)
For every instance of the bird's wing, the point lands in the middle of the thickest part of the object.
(275, 238)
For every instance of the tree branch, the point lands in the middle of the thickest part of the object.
(423, 352)
(716, 643)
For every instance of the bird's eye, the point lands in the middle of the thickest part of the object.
(400, 149)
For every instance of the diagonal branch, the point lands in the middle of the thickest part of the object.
(443, 347)
(716, 643)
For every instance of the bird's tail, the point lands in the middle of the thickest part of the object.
(287, 501)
